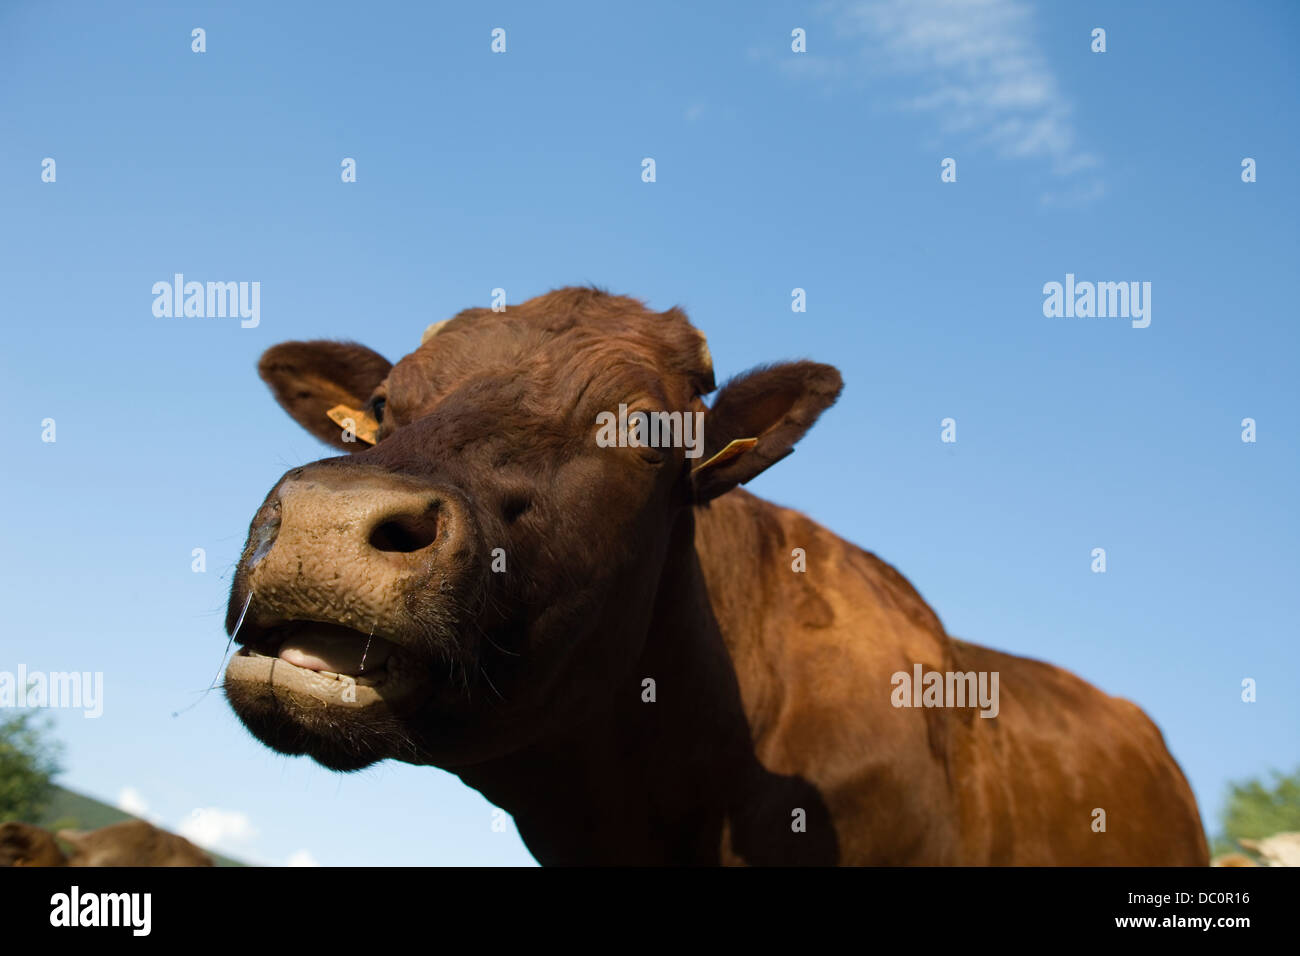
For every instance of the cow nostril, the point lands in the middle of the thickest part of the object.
(514, 507)
(406, 533)
(263, 538)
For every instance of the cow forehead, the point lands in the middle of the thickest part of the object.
(568, 339)
(577, 317)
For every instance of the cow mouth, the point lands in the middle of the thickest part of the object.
(322, 663)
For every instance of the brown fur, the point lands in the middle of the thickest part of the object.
(773, 688)
(22, 844)
(129, 843)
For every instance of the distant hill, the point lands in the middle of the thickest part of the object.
(69, 810)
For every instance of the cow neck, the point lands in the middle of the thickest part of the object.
(652, 782)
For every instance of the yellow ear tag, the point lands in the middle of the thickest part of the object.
(733, 450)
(363, 426)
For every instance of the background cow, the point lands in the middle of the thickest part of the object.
(129, 843)
(23, 844)
(618, 645)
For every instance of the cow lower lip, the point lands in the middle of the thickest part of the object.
(328, 663)
(278, 678)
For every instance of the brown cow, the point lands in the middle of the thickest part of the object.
(24, 844)
(129, 843)
(618, 646)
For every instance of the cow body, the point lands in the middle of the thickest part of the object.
(772, 696)
(617, 644)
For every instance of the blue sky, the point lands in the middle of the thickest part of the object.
(775, 170)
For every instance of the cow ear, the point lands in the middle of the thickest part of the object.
(756, 420)
(23, 844)
(311, 380)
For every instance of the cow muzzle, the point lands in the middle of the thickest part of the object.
(340, 585)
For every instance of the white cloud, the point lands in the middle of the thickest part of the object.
(131, 801)
(980, 71)
(210, 827)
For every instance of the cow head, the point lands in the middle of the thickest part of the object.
(486, 568)
(22, 844)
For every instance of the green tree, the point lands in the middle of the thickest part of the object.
(1254, 810)
(29, 761)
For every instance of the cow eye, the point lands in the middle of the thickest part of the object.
(377, 409)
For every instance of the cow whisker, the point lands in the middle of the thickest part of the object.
(216, 679)
(490, 684)
(499, 647)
